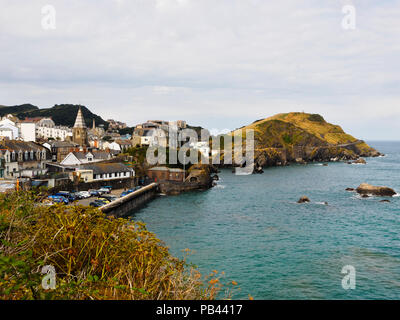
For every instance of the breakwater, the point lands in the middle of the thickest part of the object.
(124, 206)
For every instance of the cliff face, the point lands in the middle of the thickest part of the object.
(303, 137)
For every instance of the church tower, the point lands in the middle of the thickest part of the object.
(79, 131)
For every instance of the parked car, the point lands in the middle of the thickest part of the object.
(96, 204)
(103, 199)
(109, 197)
(58, 199)
(83, 194)
(66, 194)
(94, 192)
(104, 190)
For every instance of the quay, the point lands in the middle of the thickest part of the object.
(121, 207)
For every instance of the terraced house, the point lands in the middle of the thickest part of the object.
(23, 159)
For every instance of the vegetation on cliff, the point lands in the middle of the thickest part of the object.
(95, 257)
(289, 136)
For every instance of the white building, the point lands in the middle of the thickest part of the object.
(81, 157)
(5, 124)
(28, 131)
(6, 133)
(46, 128)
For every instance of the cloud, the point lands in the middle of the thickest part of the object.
(214, 63)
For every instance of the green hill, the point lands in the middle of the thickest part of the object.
(17, 109)
(288, 137)
(62, 114)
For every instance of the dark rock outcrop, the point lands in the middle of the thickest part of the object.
(350, 189)
(367, 189)
(359, 161)
(304, 199)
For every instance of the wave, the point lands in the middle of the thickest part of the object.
(219, 186)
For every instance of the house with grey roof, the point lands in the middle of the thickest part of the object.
(23, 159)
(104, 171)
(84, 157)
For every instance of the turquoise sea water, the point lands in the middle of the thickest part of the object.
(251, 228)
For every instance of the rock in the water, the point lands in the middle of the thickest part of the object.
(303, 199)
(365, 196)
(384, 201)
(360, 161)
(300, 161)
(350, 189)
(367, 189)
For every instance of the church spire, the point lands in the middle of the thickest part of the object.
(80, 121)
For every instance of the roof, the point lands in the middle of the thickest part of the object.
(80, 121)
(96, 155)
(35, 119)
(60, 144)
(21, 146)
(166, 169)
(99, 168)
(124, 142)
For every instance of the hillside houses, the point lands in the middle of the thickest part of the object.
(23, 159)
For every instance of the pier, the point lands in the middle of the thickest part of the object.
(121, 207)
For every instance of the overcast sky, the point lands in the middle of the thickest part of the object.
(216, 63)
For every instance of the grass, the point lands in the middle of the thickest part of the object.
(95, 257)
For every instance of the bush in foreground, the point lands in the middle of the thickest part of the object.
(95, 257)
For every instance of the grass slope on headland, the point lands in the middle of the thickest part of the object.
(95, 257)
(298, 129)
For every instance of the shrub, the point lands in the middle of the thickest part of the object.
(316, 118)
(95, 256)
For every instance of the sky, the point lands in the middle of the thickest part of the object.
(220, 64)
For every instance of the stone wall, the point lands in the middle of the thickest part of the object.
(124, 206)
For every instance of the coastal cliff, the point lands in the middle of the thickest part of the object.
(302, 137)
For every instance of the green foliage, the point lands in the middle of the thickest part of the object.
(316, 118)
(95, 257)
(288, 139)
(63, 114)
(17, 109)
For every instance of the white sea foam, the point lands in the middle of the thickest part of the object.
(220, 186)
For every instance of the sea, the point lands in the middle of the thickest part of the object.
(252, 230)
